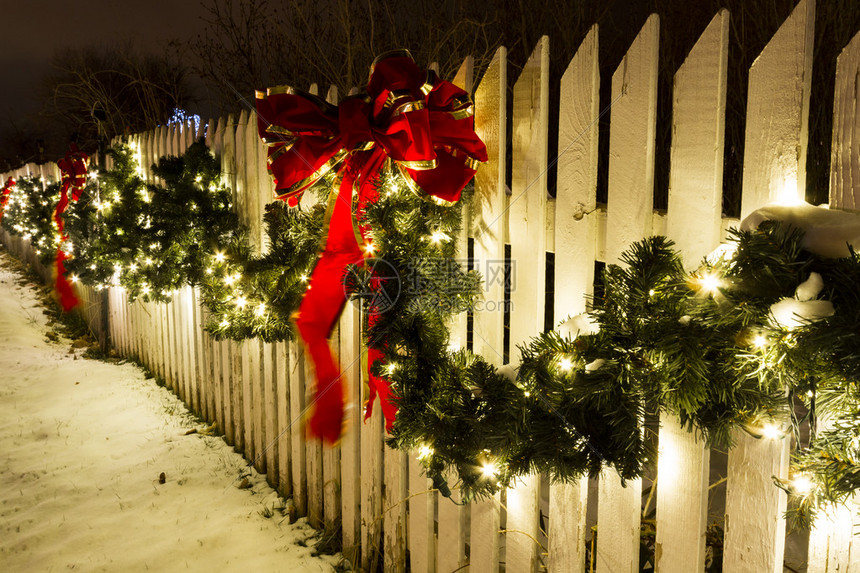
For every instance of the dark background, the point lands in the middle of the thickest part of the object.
(221, 50)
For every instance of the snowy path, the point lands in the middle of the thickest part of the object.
(82, 444)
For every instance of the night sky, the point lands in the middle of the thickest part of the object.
(33, 30)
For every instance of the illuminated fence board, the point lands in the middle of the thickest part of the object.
(257, 393)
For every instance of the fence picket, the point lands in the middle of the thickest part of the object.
(297, 414)
(527, 221)
(693, 222)
(237, 396)
(489, 228)
(574, 243)
(270, 413)
(629, 207)
(285, 422)
(774, 169)
(780, 81)
(350, 450)
(845, 152)
(422, 550)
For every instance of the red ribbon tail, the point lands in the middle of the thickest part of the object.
(68, 299)
(380, 386)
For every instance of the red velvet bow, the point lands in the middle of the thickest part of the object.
(424, 125)
(73, 168)
(4, 195)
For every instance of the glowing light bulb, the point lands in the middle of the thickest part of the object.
(241, 301)
(229, 279)
(438, 236)
(391, 368)
(759, 341)
(369, 248)
(565, 364)
(147, 261)
(771, 432)
(710, 283)
(219, 257)
(209, 270)
(802, 484)
(224, 323)
(145, 289)
(261, 309)
(132, 267)
(489, 470)
(304, 278)
(424, 452)
(74, 278)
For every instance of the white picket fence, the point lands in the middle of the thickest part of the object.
(390, 515)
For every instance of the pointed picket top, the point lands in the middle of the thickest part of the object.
(488, 220)
(845, 150)
(694, 213)
(633, 119)
(464, 77)
(777, 128)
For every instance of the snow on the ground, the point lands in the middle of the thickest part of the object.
(82, 445)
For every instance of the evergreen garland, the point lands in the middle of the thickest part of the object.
(705, 346)
(151, 238)
(29, 213)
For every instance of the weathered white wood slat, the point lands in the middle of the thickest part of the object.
(207, 398)
(693, 222)
(182, 329)
(845, 150)
(297, 415)
(164, 343)
(217, 385)
(575, 246)
(371, 486)
(254, 154)
(265, 187)
(192, 349)
(227, 391)
(350, 450)
(451, 538)
(774, 169)
(313, 452)
(698, 128)
(754, 526)
(484, 535)
(331, 454)
(777, 124)
(422, 549)
(259, 407)
(457, 326)
(488, 226)
(631, 143)
(250, 376)
(228, 153)
(238, 395)
(285, 426)
(629, 206)
(331, 478)
(394, 493)
(240, 194)
(270, 417)
(833, 543)
(248, 391)
(528, 247)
